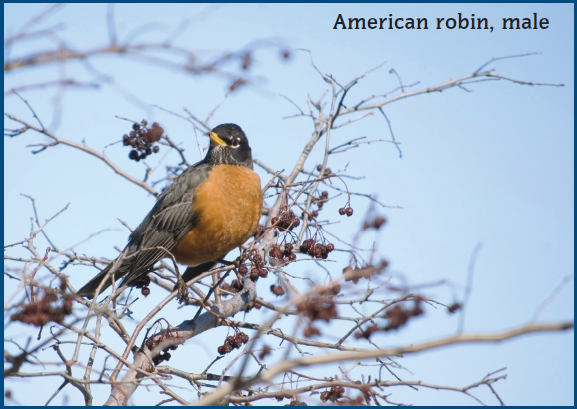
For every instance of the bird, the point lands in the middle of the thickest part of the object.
(211, 208)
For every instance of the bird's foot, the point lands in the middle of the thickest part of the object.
(182, 290)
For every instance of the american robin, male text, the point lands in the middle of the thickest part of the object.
(211, 208)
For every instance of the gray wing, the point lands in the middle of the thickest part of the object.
(164, 226)
(170, 219)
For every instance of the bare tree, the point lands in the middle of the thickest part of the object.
(357, 299)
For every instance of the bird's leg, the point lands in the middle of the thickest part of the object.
(180, 286)
(182, 289)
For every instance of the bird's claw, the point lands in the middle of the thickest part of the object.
(182, 289)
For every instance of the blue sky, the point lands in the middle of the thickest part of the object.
(493, 166)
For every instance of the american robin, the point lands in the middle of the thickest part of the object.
(209, 209)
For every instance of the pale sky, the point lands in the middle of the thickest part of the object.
(494, 166)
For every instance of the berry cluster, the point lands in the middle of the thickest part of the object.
(286, 254)
(367, 332)
(346, 210)
(335, 393)
(163, 356)
(376, 223)
(319, 201)
(277, 290)
(317, 250)
(143, 283)
(242, 269)
(287, 221)
(233, 343)
(355, 273)
(319, 307)
(327, 171)
(258, 270)
(266, 350)
(397, 315)
(253, 304)
(234, 287)
(43, 309)
(142, 140)
(154, 341)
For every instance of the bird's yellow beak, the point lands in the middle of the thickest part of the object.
(214, 138)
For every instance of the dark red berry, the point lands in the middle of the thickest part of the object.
(349, 211)
(145, 291)
(154, 133)
(342, 211)
(262, 272)
(379, 221)
(242, 269)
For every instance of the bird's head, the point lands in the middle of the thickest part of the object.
(229, 146)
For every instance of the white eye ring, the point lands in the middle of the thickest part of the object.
(235, 143)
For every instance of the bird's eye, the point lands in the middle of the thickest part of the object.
(235, 143)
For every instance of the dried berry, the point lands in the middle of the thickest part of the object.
(378, 222)
(242, 269)
(306, 245)
(257, 259)
(266, 350)
(262, 272)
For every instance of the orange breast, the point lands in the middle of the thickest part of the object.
(229, 205)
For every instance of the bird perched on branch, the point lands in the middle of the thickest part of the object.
(209, 209)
